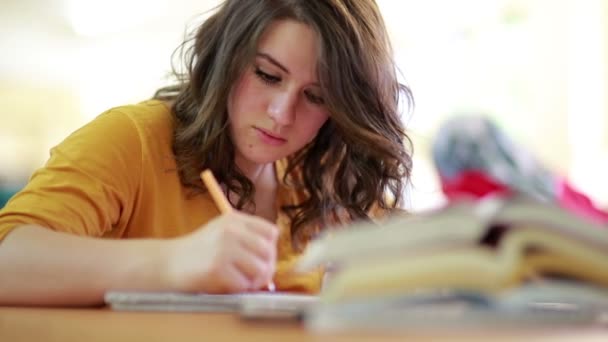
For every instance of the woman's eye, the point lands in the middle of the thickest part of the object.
(267, 78)
(316, 99)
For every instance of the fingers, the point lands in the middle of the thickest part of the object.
(235, 252)
(257, 271)
(258, 246)
(256, 257)
(257, 235)
(233, 280)
(255, 225)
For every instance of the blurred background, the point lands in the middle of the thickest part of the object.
(537, 67)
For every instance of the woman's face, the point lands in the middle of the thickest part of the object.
(276, 106)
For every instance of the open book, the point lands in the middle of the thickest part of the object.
(551, 303)
(485, 247)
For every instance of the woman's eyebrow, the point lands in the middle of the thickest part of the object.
(272, 60)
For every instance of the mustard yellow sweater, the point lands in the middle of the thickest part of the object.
(116, 177)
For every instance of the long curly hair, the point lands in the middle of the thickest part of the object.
(361, 157)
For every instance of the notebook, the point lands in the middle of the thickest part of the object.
(248, 305)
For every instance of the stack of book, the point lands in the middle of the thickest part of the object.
(498, 262)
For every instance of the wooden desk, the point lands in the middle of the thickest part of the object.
(84, 325)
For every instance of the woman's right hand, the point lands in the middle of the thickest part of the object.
(234, 252)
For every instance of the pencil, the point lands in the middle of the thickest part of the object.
(222, 202)
(216, 192)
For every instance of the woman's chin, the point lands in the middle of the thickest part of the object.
(263, 158)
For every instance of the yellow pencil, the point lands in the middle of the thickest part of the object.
(222, 202)
(216, 192)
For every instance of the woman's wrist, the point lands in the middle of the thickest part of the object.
(168, 264)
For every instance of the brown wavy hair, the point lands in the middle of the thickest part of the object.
(361, 157)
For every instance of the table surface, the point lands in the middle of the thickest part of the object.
(102, 324)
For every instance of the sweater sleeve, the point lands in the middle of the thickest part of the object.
(88, 185)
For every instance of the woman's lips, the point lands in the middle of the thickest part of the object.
(270, 138)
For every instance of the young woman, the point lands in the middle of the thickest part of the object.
(293, 106)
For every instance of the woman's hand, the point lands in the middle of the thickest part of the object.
(233, 253)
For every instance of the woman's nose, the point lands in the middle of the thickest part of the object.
(282, 108)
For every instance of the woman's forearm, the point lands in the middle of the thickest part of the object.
(39, 266)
